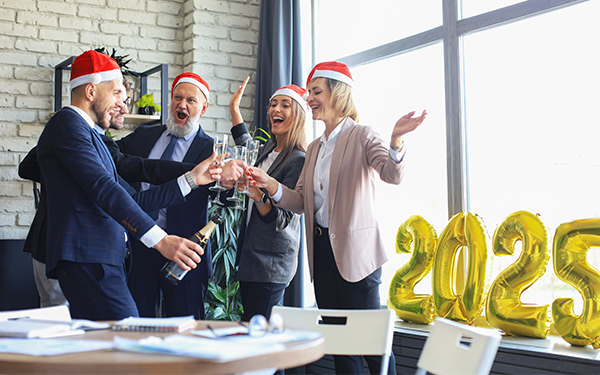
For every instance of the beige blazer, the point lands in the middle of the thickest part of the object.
(353, 230)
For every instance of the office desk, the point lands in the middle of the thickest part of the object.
(119, 362)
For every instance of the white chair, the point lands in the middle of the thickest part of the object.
(366, 332)
(57, 313)
(444, 354)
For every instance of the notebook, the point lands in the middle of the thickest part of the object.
(36, 330)
(86, 325)
(175, 324)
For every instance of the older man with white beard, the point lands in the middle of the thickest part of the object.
(185, 140)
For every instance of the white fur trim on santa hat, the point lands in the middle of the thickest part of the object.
(292, 94)
(333, 75)
(202, 88)
(96, 78)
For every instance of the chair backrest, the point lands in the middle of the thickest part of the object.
(444, 354)
(58, 313)
(366, 332)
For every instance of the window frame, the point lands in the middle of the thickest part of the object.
(450, 33)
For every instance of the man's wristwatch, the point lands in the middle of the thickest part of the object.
(190, 181)
(262, 200)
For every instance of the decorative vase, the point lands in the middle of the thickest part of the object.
(146, 110)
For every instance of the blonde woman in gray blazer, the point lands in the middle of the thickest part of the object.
(335, 192)
(269, 236)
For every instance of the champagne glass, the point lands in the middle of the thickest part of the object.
(239, 153)
(220, 147)
(252, 147)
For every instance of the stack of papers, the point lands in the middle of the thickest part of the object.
(214, 345)
(207, 349)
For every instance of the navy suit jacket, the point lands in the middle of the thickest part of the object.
(185, 219)
(131, 168)
(89, 205)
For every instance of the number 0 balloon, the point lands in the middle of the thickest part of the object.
(463, 305)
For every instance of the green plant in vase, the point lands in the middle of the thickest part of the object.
(146, 105)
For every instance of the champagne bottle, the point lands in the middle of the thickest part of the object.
(171, 271)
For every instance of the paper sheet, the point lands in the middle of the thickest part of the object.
(239, 334)
(207, 349)
(44, 347)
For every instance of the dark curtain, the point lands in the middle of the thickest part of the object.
(279, 63)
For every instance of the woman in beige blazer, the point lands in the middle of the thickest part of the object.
(335, 191)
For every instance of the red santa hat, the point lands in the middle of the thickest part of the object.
(331, 69)
(294, 92)
(94, 67)
(192, 78)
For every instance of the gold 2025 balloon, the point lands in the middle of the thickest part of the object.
(571, 244)
(411, 307)
(504, 308)
(463, 230)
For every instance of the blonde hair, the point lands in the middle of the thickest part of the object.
(341, 99)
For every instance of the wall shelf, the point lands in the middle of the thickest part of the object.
(131, 119)
(142, 119)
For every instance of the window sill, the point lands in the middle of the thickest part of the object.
(553, 345)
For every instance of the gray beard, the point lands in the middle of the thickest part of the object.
(182, 131)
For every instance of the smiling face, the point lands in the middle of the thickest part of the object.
(187, 106)
(118, 116)
(108, 100)
(319, 100)
(281, 114)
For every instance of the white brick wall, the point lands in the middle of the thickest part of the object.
(214, 38)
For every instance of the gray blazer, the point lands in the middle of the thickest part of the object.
(268, 247)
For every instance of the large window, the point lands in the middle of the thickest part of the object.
(511, 88)
(532, 134)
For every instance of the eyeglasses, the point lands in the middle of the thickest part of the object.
(127, 101)
(258, 326)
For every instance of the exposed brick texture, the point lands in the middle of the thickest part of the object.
(214, 38)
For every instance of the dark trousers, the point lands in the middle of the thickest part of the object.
(333, 292)
(259, 298)
(147, 287)
(96, 291)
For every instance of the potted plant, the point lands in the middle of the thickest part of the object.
(146, 105)
(223, 300)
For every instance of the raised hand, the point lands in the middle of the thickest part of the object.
(406, 124)
(234, 104)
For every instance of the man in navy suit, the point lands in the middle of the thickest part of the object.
(131, 168)
(89, 207)
(189, 102)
